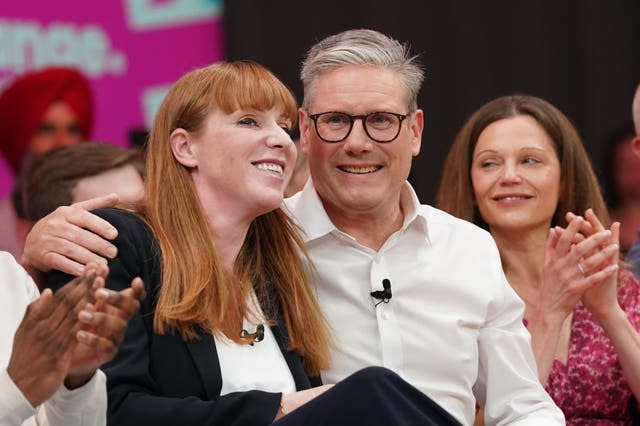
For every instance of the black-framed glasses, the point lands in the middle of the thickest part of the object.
(335, 126)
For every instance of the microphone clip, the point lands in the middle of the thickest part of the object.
(383, 295)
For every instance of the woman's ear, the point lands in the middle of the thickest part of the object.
(181, 143)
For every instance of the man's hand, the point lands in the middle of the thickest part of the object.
(105, 323)
(46, 337)
(69, 238)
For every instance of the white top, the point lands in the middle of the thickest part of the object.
(8, 239)
(453, 327)
(85, 406)
(260, 366)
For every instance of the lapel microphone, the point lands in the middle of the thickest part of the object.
(383, 295)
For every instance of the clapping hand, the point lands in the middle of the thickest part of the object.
(571, 264)
(105, 323)
(67, 335)
(601, 266)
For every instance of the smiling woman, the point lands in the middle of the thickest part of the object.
(515, 174)
(219, 258)
(518, 168)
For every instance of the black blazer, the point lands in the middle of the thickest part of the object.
(161, 379)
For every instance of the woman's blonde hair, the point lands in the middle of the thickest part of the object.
(197, 293)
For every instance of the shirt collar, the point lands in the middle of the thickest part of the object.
(307, 209)
(414, 213)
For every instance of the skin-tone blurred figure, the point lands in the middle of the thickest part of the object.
(301, 170)
(636, 121)
(50, 354)
(300, 175)
(518, 168)
(68, 175)
(633, 257)
(622, 174)
(40, 111)
(125, 181)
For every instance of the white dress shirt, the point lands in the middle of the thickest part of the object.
(85, 406)
(453, 326)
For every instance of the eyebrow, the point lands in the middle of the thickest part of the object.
(526, 148)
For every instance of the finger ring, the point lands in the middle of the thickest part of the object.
(581, 268)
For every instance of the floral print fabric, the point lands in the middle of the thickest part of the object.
(591, 389)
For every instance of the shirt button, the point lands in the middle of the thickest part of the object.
(385, 316)
(376, 259)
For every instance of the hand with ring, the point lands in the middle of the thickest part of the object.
(602, 265)
(571, 266)
(581, 268)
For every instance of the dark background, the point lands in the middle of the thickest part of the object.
(581, 55)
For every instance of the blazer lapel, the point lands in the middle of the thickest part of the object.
(204, 354)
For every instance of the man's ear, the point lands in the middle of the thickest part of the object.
(635, 145)
(416, 126)
(304, 123)
(181, 143)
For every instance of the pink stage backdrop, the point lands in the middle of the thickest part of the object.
(130, 50)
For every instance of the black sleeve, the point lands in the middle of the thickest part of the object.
(153, 379)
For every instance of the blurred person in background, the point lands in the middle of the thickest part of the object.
(621, 179)
(301, 169)
(39, 111)
(633, 257)
(72, 174)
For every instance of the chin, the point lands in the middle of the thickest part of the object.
(268, 203)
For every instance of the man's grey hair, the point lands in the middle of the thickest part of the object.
(362, 47)
(636, 111)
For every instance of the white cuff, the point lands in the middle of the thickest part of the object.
(14, 407)
(86, 405)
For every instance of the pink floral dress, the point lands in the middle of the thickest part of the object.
(591, 389)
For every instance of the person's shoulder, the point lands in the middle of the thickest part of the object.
(440, 220)
(14, 280)
(132, 228)
(9, 267)
(115, 215)
(7, 261)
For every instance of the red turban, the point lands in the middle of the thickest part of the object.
(25, 101)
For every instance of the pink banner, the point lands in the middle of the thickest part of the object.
(130, 50)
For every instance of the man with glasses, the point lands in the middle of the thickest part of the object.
(403, 285)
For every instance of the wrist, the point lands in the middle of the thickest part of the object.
(282, 411)
(74, 381)
(545, 320)
(28, 388)
(610, 317)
